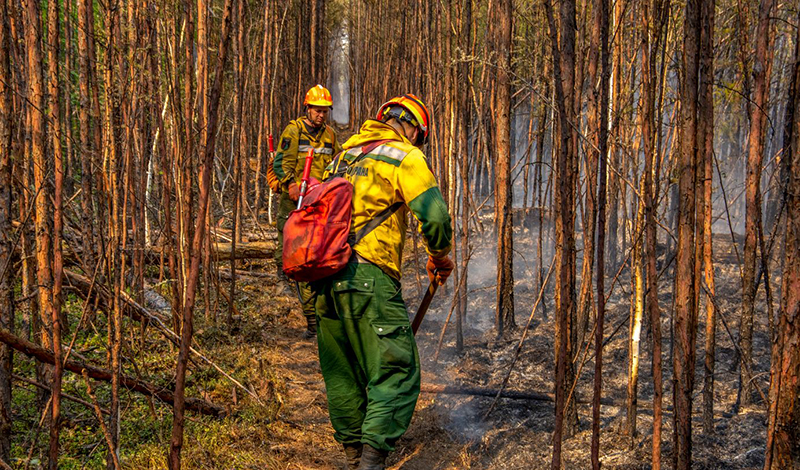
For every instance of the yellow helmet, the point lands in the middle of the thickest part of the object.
(318, 96)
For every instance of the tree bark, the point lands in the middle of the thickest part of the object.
(601, 19)
(85, 147)
(755, 159)
(706, 150)
(685, 313)
(504, 316)
(54, 119)
(563, 78)
(783, 432)
(6, 298)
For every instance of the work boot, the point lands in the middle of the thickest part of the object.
(353, 454)
(372, 459)
(282, 286)
(311, 327)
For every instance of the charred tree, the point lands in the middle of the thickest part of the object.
(685, 308)
(504, 317)
(705, 142)
(600, 37)
(6, 305)
(755, 163)
(564, 199)
(783, 432)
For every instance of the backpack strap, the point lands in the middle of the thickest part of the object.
(384, 214)
(376, 222)
(365, 150)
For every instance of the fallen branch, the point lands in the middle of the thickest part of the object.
(486, 392)
(226, 274)
(63, 395)
(101, 422)
(252, 250)
(222, 251)
(83, 286)
(139, 313)
(45, 355)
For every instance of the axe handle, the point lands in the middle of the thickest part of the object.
(423, 307)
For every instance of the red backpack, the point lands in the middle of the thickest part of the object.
(316, 238)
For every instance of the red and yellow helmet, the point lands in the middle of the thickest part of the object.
(410, 109)
(318, 96)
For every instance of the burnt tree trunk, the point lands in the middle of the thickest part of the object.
(504, 317)
(783, 432)
(706, 176)
(600, 32)
(755, 161)
(685, 311)
(564, 200)
(6, 305)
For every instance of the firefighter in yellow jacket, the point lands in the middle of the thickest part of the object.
(304, 133)
(367, 351)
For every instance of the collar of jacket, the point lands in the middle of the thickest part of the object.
(373, 130)
(313, 132)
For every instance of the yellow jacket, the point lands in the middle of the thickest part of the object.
(295, 141)
(394, 172)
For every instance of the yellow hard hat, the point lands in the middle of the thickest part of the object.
(318, 96)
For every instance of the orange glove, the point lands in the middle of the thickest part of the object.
(272, 179)
(294, 192)
(439, 269)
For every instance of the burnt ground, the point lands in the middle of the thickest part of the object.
(453, 432)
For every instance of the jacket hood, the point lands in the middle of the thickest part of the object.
(373, 130)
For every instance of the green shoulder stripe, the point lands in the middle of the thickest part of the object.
(431, 211)
(383, 158)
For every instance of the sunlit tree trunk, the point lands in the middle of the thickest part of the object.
(114, 200)
(705, 168)
(39, 163)
(564, 200)
(54, 120)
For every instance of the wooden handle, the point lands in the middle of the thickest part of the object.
(423, 307)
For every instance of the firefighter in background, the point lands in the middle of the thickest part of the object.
(367, 351)
(304, 133)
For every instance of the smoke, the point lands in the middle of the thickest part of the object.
(339, 75)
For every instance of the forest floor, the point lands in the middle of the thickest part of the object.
(289, 429)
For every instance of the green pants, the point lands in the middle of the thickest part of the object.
(368, 356)
(307, 296)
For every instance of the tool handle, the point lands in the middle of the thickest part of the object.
(271, 144)
(307, 167)
(423, 307)
(306, 177)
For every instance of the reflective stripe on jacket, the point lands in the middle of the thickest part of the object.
(293, 145)
(395, 171)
